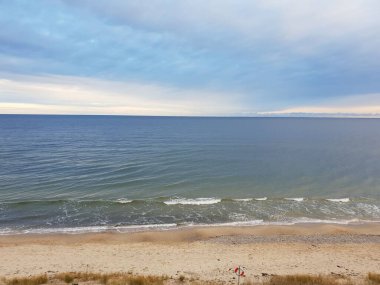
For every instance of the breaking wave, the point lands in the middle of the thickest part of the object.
(295, 199)
(196, 201)
(171, 226)
(342, 200)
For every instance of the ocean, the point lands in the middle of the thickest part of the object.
(76, 174)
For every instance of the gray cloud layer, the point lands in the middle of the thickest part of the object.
(259, 56)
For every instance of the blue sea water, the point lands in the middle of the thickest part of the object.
(94, 173)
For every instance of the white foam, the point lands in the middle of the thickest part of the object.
(261, 199)
(241, 223)
(90, 229)
(251, 199)
(341, 200)
(123, 201)
(305, 220)
(369, 209)
(162, 227)
(295, 199)
(196, 201)
(228, 224)
(150, 226)
(302, 220)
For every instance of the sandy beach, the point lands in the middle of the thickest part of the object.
(200, 253)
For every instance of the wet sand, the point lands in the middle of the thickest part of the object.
(204, 253)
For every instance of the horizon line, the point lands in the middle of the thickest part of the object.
(310, 116)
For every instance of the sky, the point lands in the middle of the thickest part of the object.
(190, 57)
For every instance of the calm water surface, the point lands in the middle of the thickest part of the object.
(92, 173)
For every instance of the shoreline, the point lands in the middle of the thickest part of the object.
(200, 253)
(353, 226)
(197, 233)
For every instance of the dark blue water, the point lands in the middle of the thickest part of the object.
(98, 172)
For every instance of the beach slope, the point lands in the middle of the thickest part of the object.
(200, 253)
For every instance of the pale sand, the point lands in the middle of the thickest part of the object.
(204, 253)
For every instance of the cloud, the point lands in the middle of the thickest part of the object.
(297, 24)
(80, 95)
(276, 55)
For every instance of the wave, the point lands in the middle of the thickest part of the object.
(250, 199)
(123, 201)
(303, 220)
(196, 201)
(179, 200)
(231, 224)
(341, 200)
(295, 199)
(172, 226)
(261, 199)
(89, 229)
